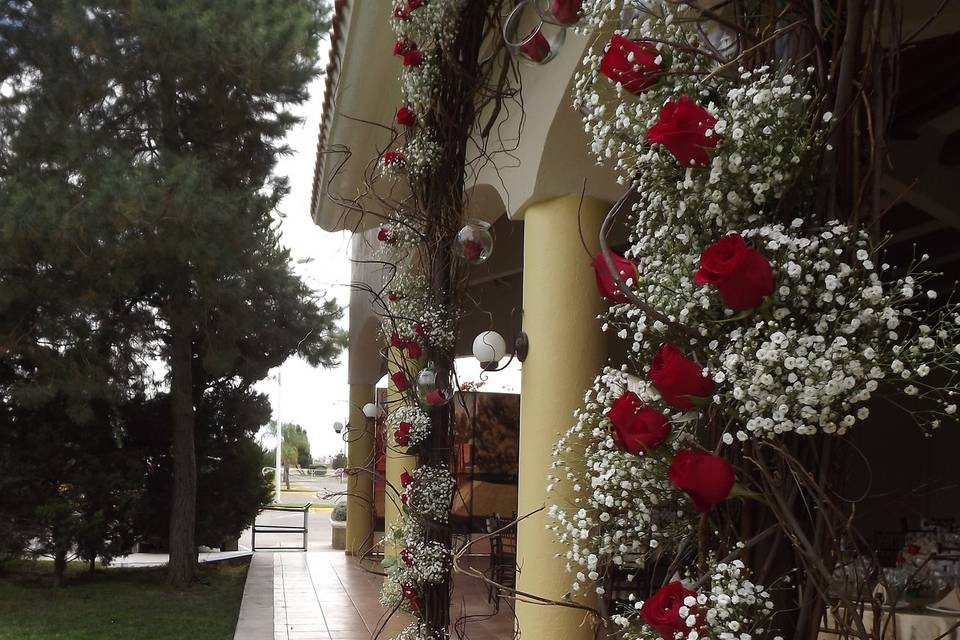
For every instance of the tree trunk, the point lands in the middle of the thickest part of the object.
(286, 475)
(183, 516)
(59, 567)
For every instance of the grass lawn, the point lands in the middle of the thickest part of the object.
(118, 604)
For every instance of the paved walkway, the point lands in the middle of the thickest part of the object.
(324, 595)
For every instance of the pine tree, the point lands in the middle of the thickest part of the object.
(137, 184)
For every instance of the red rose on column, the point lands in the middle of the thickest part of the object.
(632, 63)
(421, 330)
(402, 434)
(678, 378)
(566, 11)
(413, 349)
(406, 116)
(706, 478)
(435, 398)
(402, 46)
(406, 556)
(393, 296)
(400, 380)
(662, 611)
(606, 284)
(406, 479)
(639, 428)
(384, 235)
(413, 5)
(413, 58)
(535, 46)
(401, 13)
(682, 129)
(742, 275)
(392, 157)
(396, 341)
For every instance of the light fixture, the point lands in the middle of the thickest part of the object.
(372, 411)
(489, 347)
(338, 427)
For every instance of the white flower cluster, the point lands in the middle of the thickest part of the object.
(411, 311)
(417, 631)
(413, 415)
(733, 608)
(431, 493)
(428, 26)
(623, 508)
(419, 561)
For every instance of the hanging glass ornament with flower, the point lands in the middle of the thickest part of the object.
(475, 242)
(562, 12)
(530, 37)
(435, 386)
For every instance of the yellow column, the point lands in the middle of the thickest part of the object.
(397, 460)
(360, 445)
(567, 349)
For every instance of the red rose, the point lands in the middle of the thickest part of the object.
(913, 549)
(393, 296)
(682, 129)
(421, 330)
(406, 556)
(406, 116)
(662, 611)
(402, 46)
(413, 5)
(632, 63)
(706, 478)
(396, 341)
(472, 250)
(406, 479)
(392, 157)
(742, 275)
(535, 46)
(606, 284)
(400, 380)
(400, 13)
(402, 434)
(413, 349)
(404, 498)
(566, 11)
(678, 378)
(435, 398)
(638, 427)
(413, 58)
(384, 235)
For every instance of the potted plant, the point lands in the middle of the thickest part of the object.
(338, 522)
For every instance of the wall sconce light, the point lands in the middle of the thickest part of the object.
(489, 348)
(338, 427)
(372, 411)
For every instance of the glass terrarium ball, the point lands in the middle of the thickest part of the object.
(475, 242)
(435, 386)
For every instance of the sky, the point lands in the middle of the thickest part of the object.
(314, 398)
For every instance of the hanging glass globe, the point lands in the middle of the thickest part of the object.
(435, 386)
(475, 242)
(530, 37)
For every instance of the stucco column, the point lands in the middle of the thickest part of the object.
(360, 445)
(397, 460)
(567, 349)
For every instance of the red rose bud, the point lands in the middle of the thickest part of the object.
(535, 46)
(408, 590)
(632, 63)
(392, 157)
(393, 296)
(435, 398)
(682, 129)
(402, 435)
(413, 349)
(406, 556)
(606, 284)
(706, 478)
(402, 46)
(413, 58)
(413, 5)
(400, 13)
(406, 479)
(639, 428)
(406, 116)
(421, 329)
(472, 250)
(566, 11)
(403, 498)
(742, 275)
(384, 235)
(400, 380)
(396, 341)
(661, 611)
(678, 378)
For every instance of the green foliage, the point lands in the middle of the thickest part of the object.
(339, 461)
(339, 513)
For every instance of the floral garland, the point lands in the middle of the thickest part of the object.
(740, 329)
(408, 426)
